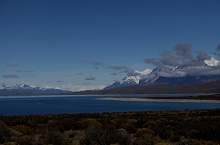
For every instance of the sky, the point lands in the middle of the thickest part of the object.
(83, 44)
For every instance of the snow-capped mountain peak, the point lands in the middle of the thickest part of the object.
(136, 76)
(133, 78)
(136, 79)
(212, 62)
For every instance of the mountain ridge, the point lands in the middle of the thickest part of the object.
(206, 71)
(206, 88)
(25, 89)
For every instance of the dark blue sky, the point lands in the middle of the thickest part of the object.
(85, 44)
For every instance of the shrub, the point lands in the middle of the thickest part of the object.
(23, 129)
(25, 140)
(143, 131)
(146, 140)
(5, 132)
(101, 135)
(55, 138)
(192, 133)
(89, 122)
(129, 125)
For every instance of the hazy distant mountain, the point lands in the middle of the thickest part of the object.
(24, 89)
(207, 71)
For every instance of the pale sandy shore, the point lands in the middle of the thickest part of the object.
(159, 100)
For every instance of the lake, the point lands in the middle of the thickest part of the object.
(27, 105)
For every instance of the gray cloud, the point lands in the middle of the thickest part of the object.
(19, 71)
(172, 73)
(183, 54)
(180, 56)
(202, 71)
(190, 71)
(133, 73)
(78, 73)
(10, 76)
(90, 78)
(218, 47)
(12, 64)
(123, 69)
(118, 67)
(30, 71)
(96, 63)
(183, 51)
(201, 56)
(113, 74)
(3, 85)
(154, 61)
(169, 59)
(99, 64)
(27, 71)
(59, 81)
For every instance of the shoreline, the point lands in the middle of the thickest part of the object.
(159, 100)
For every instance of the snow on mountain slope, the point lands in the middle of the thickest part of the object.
(136, 76)
(22, 86)
(132, 79)
(212, 62)
(151, 77)
(136, 79)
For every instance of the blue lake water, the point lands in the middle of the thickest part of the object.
(87, 104)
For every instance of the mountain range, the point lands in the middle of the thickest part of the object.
(25, 89)
(208, 71)
(201, 78)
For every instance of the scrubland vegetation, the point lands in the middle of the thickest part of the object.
(125, 128)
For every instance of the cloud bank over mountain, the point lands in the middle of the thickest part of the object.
(183, 58)
(180, 66)
(181, 55)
